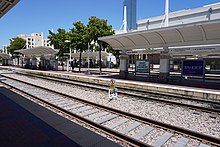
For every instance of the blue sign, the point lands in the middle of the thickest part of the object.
(193, 68)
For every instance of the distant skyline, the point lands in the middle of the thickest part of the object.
(30, 16)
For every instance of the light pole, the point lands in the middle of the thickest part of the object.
(67, 41)
(88, 72)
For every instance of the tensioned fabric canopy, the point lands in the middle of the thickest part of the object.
(37, 51)
(191, 34)
(6, 5)
(5, 56)
(91, 55)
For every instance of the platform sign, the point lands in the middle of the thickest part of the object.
(142, 66)
(193, 68)
(112, 90)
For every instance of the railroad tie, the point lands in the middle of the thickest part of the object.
(162, 139)
(181, 142)
(130, 127)
(89, 113)
(76, 106)
(98, 115)
(143, 132)
(203, 145)
(81, 109)
(109, 117)
(118, 123)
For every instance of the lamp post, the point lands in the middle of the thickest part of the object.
(88, 72)
(67, 41)
(90, 42)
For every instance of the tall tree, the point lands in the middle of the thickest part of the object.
(16, 44)
(58, 40)
(98, 28)
(78, 36)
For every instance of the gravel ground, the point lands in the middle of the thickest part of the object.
(184, 101)
(178, 116)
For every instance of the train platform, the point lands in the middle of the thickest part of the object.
(25, 123)
(210, 89)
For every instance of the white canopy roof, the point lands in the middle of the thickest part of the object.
(183, 35)
(37, 51)
(5, 56)
(92, 55)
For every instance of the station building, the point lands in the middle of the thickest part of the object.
(191, 34)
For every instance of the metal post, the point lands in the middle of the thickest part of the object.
(167, 13)
(67, 41)
(70, 54)
(88, 72)
(70, 59)
(125, 19)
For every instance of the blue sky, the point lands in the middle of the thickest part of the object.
(30, 16)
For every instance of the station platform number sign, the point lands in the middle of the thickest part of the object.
(112, 89)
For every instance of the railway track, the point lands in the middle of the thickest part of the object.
(192, 103)
(127, 127)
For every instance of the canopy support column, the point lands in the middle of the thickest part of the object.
(164, 64)
(123, 65)
(34, 62)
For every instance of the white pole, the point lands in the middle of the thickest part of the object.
(52, 45)
(6, 51)
(69, 63)
(70, 54)
(67, 41)
(125, 19)
(27, 43)
(42, 39)
(167, 13)
(3, 49)
(88, 57)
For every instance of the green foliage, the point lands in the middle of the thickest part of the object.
(98, 28)
(16, 44)
(80, 35)
(58, 40)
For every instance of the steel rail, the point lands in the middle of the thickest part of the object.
(193, 134)
(108, 131)
(194, 107)
(144, 91)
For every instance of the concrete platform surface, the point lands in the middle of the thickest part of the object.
(24, 123)
(196, 89)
